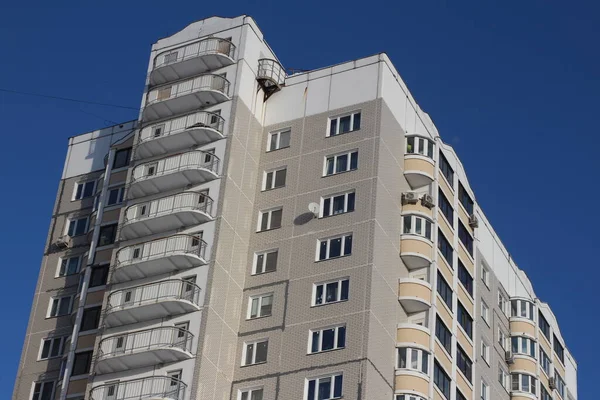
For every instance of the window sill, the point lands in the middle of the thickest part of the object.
(273, 188)
(88, 332)
(120, 169)
(262, 273)
(255, 318)
(269, 230)
(341, 133)
(280, 148)
(339, 173)
(333, 258)
(329, 303)
(325, 351)
(335, 215)
(252, 365)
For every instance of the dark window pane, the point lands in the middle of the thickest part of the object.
(335, 247)
(338, 204)
(323, 250)
(56, 345)
(107, 235)
(122, 158)
(331, 292)
(88, 189)
(261, 351)
(345, 289)
(91, 318)
(327, 207)
(319, 295)
(276, 219)
(315, 341)
(348, 245)
(356, 125)
(328, 339)
(337, 389)
(351, 199)
(342, 163)
(280, 177)
(354, 160)
(99, 276)
(311, 389)
(47, 392)
(333, 127)
(341, 342)
(271, 261)
(330, 165)
(324, 388)
(345, 124)
(82, 362)
(46, 349)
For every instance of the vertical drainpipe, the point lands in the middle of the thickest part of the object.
(86, 280)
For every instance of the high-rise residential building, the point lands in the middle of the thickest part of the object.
(258, 235)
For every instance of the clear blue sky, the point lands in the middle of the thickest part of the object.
(513, 85)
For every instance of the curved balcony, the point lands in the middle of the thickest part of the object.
(412, 333)
(193, 59)
(190, 168)
(181, 133)
(416, 251)
(166, 214)
(167, 255)
(523, 362)
(419, 170)
(146, 302)
(152, 387)
(143, 348)
(414, 295)
(520, 325)
(270, 75)
(185, 96)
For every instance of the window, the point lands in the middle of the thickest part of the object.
(485, 352)
(501, 338)
(270, 219)
(279, 140)
(545, 362)
(415, 225)
(43, 391)
(523, 345)
(344, 124)
(60, 306)
(560, 384)
(175, 378)
(260, 306)
(115, 196)
(122, 158)
(441, 380)
(445, 207)
(545, 395)
(331, 292)
(459, 395)
(69, 266)
(158, 130)
(559, 349)
(170, 58)
(419, 145)
(265, 262)
(255, 352)
(485, 312)
(522, 308)
(150, 169)
(408, 397)
(77, 226)
(444, 290)
(341, 163)
(163, 93)
(334, 247)
(523, 383)
(465, 320)
(465, 238)
(412, 358)
(445, 248)
(327, 339)
(52, 347)
(337, 204)
(274, 179)
(465, 199)
(446, 169)
(443, 334)
(464, 363)
(485, 275)
(465, 278)
(502, 303)
(90, 318)
(108, 234)
(99, 275)
(251, 394)
(324, 388)
(82, 363)
(502, 377)
(84, 190)
(485, 391)
(544, 325)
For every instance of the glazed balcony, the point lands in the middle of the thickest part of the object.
(414, 294)
(166, 214)
(181, 133)
(143, 348)
(185, 96)
(153, 387)
(193, 59)
(185, 169)
(155, 300)
(167, 255)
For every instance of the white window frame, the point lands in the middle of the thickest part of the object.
(318, 379)
(268, 212)
(60, 299)
(339, 283)
(249, 393)
(524, 342)
(408, 396)
(261, 269)
(532, 383)
(485, 313)
(66, 260)
(52, 340)
(336, 333)
(502, 338)
(42, 385)
(560, 384)
(331, 198)
(485, 275)
(523, 307)
(271, 185)
(120, 195)
(337, 118)
(418, 150)
(545, 360)
(502, 303)
(485, 390)
(503, 377)
(485, 351)
(77, 222)
(276, 135)
(260, 299)
(412, 230)
(254, 345)
(335, 158)
(413, 354)
(328, 240)
(83, 185)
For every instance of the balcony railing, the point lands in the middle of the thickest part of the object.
(195, 159)
(172, 289)
(202, 119)
(186, 201)
(153, 387)
(161, 248)
(205, 82)
(146, 340)
(198, 49)
(271, 70)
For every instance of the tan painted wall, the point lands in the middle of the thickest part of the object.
(408, 208)
(521, 326)
(418, 164)
(414, 290)
(411, 335)
(408, 245)
(410, 382)
(524, 364)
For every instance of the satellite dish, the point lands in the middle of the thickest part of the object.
(314, 208)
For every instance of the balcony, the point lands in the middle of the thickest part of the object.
(156, 300)
(167, 255)
(181, 133)
(143, 348)
(419, 170)
(414, 295)
(185, 96)
(415, 251)
(193, 59)
(270, 75)
(166, 214)
(153, 387)
(186, 169)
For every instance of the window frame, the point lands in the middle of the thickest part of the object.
(249, 393)
(81, 195)
(272, 185)
(339, 292)
(439, 372)
(416, 149)
(65, 261)
(465, 278)
(120, 195)
(269, 213)
(414, 220)
(104, 270)
(337, 331)
(260, 298)
(446, 339)
(518, 343)
(128, 151)
(89, 354)
(49, 313)
(558, 349)
(277, 135)
(465, 199)
(531, 383)
(446, 169)
(337, 125)
(465, 238)
(503, 377)
(333, 382)
(461, 312)
(265, 261)
(37, 395)
(113, 239)
(98, 310)
(76, 220)
(422, 358)
(523, 306)
(446, 207)
(254, 344)
(485, 390)
(52, 340)
(349, 199)
(545, 362)
(334, 161)
(344, 238)
(442, 288)
(444, 246)
(464, 364)
(544, 325)
(485, 351)
(485, 312)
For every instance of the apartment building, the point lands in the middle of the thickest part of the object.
(258, 235)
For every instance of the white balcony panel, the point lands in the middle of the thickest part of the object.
(150, 388)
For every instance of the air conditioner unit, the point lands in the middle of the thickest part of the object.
(508, 357)
(473, 221)
(552, 383)
(427, 201)
(63, 242)
(410, 198)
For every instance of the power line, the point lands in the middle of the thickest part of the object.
(67, 99)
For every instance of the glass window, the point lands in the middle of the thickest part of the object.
(502, 377)
(108, 235)
(416, 225)
(255, 352)
(465, 320)
(459, 395)
(523, 383)
(91, 318)
(465, 199)
(334, 247)
(441, 380)
(84, 190)
(115, 196)
(502, 303)
(60, 306)
(260, 306)
(485, 275)
(52, 347)
(338, 204)
(465, 278)
(560, 384)
(544, 325)
(442, 333)
(485, 312)
(99, 275)
(77, 226)
(445, 207)
(465, 238)
(341, 163)
(270, 219)
(324, 388)
(485, 391)
(545, 395)
(522, 308)
(412, 358)
(419, 145)
(265, 262)
(559, 349)
(43, 391)
(485, 351)
(444, 290)
(545, 362)
(523, 345)
(69, 266)
(446, 169)
(275, 179)
(464, 363)
(331, 292)
(279, 140)
(251, 394)
(327, 339)
(122, 158)
(82, 363)
(445, 248)
(344, 124)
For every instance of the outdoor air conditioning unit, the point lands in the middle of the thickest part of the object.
(63, 242)
(552, 383)
(410, 198)
(427, 201)
(508, 357)
(473, 221)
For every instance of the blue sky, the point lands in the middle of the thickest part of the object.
(514, 86)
